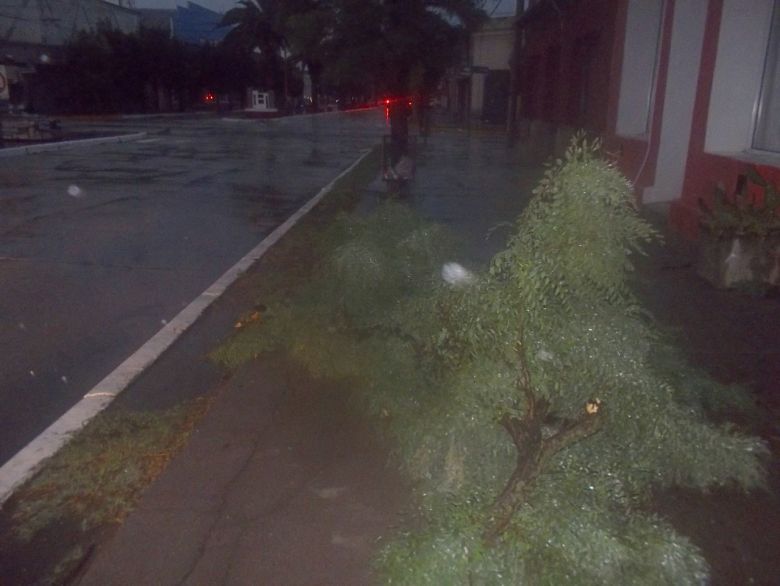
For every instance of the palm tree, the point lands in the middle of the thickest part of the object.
(408, 43)
(401, 46)
(309, 30)
(422, 39)
(258, 26)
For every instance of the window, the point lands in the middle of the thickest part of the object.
(766, 135)
(743, 66)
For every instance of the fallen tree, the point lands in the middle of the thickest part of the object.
(533, 404)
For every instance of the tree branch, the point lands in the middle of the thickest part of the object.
(573, 431)
(533, 453)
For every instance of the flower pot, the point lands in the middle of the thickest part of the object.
(739, 260)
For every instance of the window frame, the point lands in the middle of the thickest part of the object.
(771, 62)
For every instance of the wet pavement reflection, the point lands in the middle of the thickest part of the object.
(100, 245)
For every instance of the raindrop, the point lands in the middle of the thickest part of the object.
(64, 379)
(32, 373)
(22, 326)
(163, 321)
(75, 191)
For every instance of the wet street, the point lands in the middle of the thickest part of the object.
(101, 245)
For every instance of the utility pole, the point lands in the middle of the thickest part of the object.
(4, 99)
(514, 82)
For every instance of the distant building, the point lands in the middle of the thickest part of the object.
(35, 29)
(478, 87)
(157, 19)
(192, 24)
(34, 32)
(195, 24)
(489, 56)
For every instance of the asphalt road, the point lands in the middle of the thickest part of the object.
(101, 245)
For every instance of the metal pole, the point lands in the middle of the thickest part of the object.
(514, 82)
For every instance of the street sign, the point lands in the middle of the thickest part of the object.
(4, 95)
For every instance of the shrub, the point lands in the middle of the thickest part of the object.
(534, 404)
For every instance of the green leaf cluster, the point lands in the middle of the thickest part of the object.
(552, 327)
(99, 475)
(740, 215)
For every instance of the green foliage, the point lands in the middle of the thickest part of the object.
(381, 259)
(260, 25)
(741, 215)
(450, 550)
(695, 389)
(358, 47)
(535, 405)
(559, 293)
(424, 35)
(112, 71)
(98, 476)
(550, 545)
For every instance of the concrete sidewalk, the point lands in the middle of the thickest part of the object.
(282, 484)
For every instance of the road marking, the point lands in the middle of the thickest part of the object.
(30, 458)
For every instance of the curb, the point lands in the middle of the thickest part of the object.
(30, 458)
(66, 144)
(295, 116)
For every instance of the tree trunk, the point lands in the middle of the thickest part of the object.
(399, 113)
(534, 450)
(514, 84)
(399, 130)
(315, 72)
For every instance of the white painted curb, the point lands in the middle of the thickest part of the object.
(25, 463)
(68, 144)
(228, 118)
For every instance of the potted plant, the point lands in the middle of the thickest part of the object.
(740, 235)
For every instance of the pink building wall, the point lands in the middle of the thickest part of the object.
(704, 171)
(549, 76)
(557, 49)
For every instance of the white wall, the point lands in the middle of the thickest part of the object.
(491, 47)
(690, 19)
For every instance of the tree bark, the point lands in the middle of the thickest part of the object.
(399, 129)
(533, 453)
(315, 73)
(534, 450)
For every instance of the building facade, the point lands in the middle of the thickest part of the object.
(192, 23)
(34, 32)
(686, 94)
(490, 52)
(40, 23)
